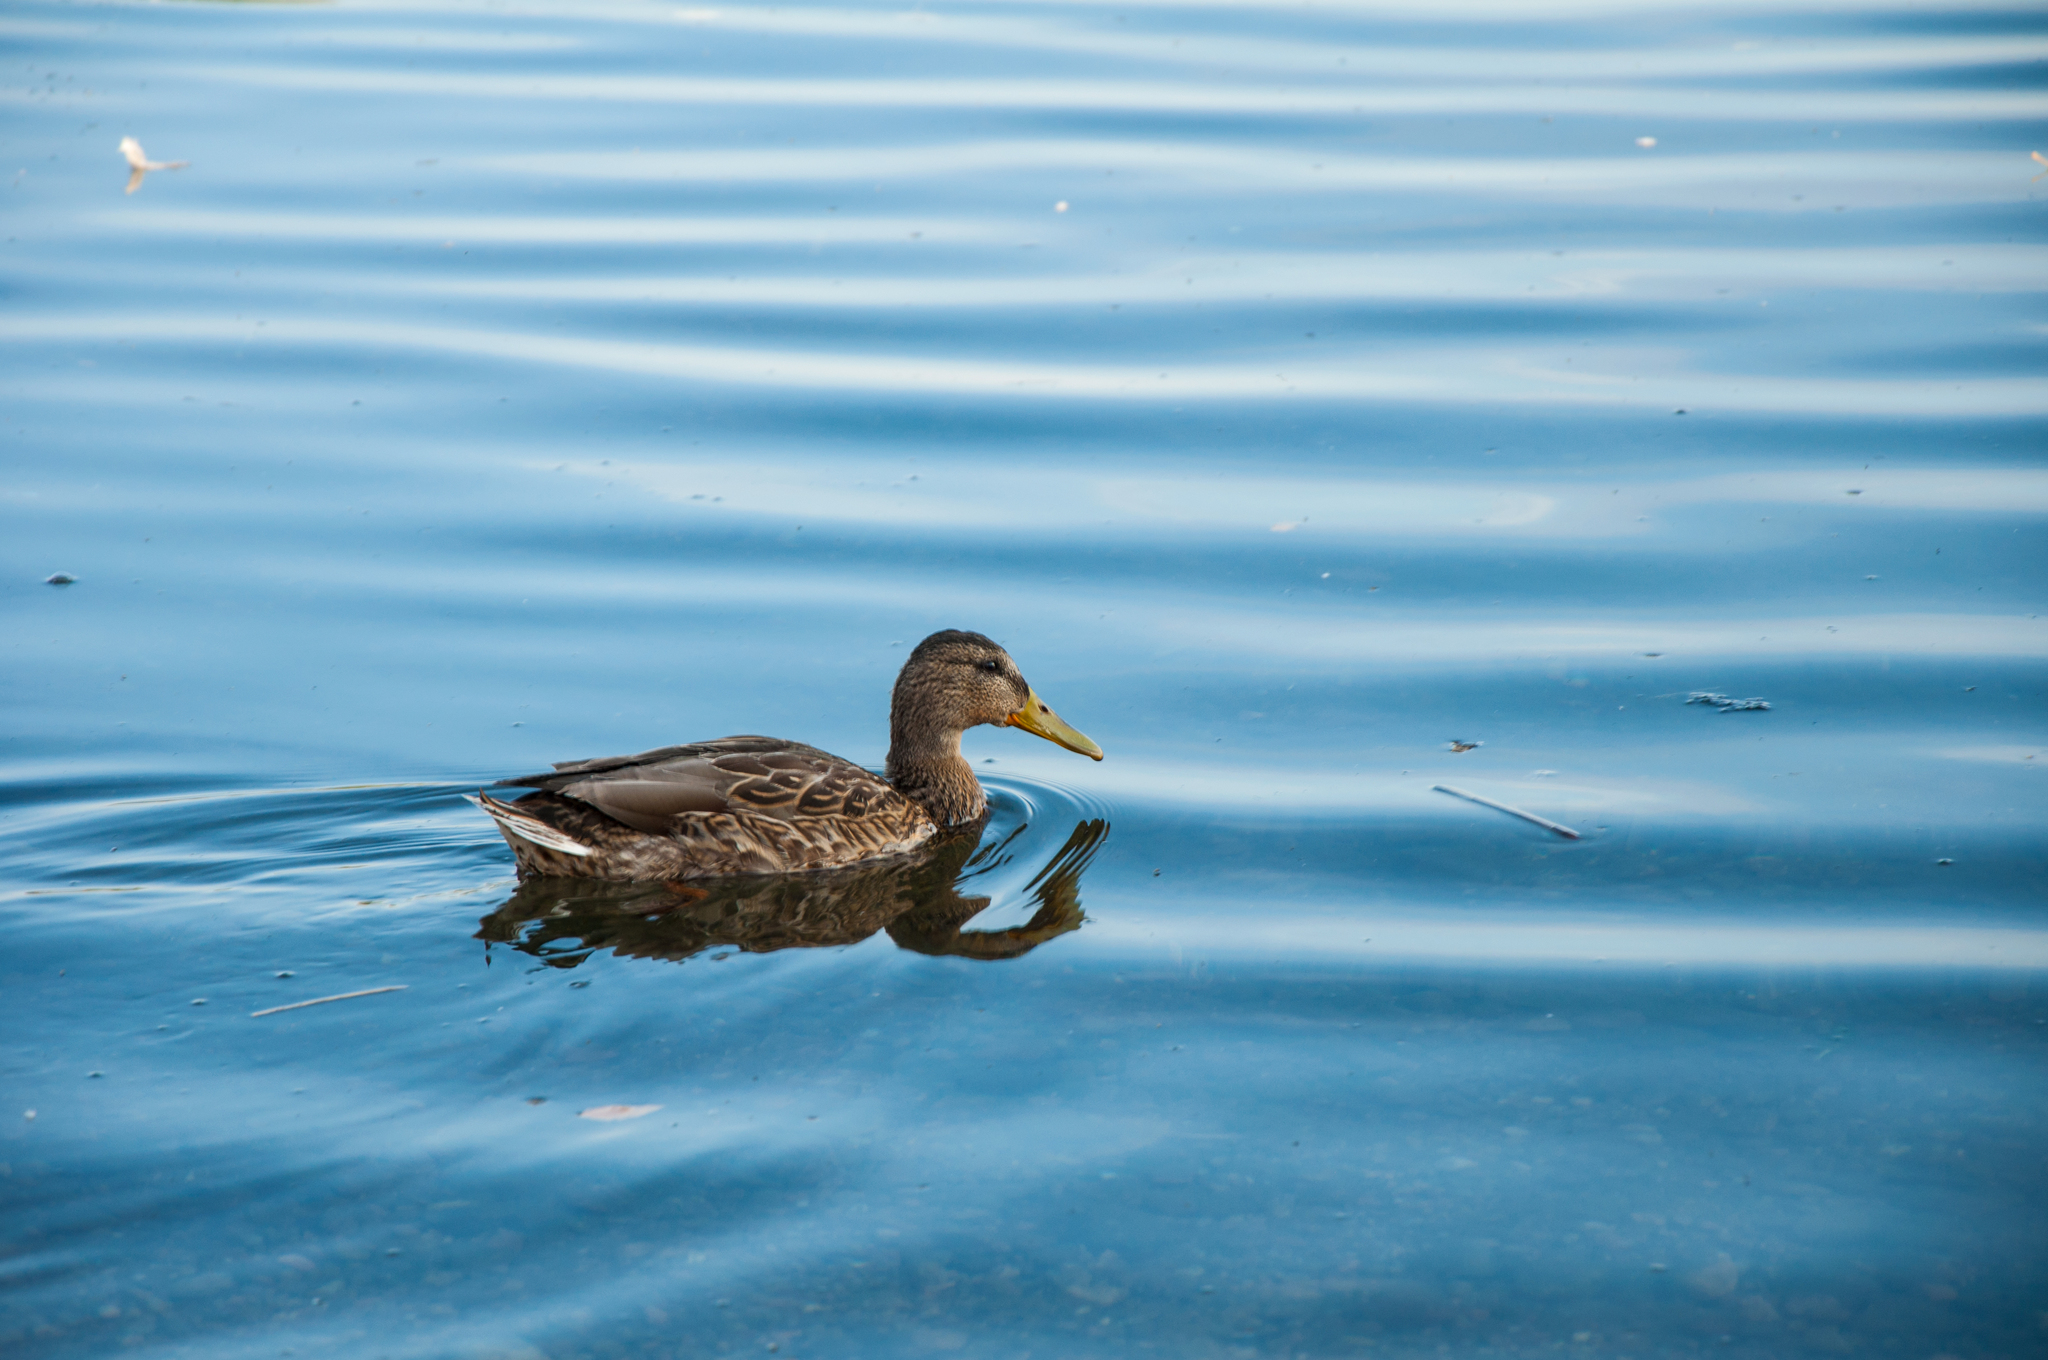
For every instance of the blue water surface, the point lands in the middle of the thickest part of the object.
(1323, 403)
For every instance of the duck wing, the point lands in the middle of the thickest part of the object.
(765, 776)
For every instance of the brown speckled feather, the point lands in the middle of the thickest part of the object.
(739, 805)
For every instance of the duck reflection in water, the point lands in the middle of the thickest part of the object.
(924, 900)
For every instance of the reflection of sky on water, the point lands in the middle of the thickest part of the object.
(1165, 97)
(501, 387)
(1442, 374)
(964, 498)
(1512, 943)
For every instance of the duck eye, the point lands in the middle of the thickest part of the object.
(990, 666)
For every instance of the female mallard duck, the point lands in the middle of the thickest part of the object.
(754, 805)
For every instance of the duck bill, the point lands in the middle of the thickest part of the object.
(1040, 721)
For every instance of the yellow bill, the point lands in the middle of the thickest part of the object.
(1039, 720)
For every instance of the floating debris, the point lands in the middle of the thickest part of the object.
(323, 1000)
(1726, 704)
(139, 163)
(1559, 827)
(1646, 142)
(614, 1112)
(1457, 745)
(1944, 861)
(62, 578)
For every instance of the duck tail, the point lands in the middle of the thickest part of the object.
(526, 827)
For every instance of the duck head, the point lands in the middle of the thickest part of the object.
(952, 681)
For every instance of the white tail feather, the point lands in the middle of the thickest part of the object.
(530, 828)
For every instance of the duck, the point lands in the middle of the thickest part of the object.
(765, 805)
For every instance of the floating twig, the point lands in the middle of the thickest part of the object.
(1559, 827)
(323, 1000)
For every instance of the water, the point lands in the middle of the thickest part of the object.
(503, 384)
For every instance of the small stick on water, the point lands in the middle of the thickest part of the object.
(1559, 827)
(323, 1000)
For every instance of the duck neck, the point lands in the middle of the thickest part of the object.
(926, 766)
